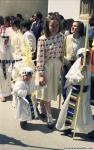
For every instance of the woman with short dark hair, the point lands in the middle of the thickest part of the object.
(73, 42)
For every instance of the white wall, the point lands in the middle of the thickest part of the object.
(25, 7)
(68, 8)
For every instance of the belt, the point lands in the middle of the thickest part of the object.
(6, 61)
(16, 60)
(85, 88)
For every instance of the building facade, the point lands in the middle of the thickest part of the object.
(68, 8)
(24, 7)
(71, 8)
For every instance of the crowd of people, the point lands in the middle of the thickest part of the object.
(36, 55)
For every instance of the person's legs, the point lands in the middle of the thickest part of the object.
(42, 109)
(40, 105)
(49, 114)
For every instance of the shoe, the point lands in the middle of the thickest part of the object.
(23, 125)
(91, 135)
(50, 125)
(67, 132)
(42, 115)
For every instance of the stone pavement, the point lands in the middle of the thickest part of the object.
(38, 136)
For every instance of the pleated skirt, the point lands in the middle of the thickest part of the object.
(53, 74)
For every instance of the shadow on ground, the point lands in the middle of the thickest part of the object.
(4, 139)
(43, 127)
(40, 127)
(80, 137)
(8, 98)
(84, 137)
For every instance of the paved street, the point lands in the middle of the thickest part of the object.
(37, 137)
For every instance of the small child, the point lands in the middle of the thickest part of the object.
(26, 109)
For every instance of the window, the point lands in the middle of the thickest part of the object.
(86, 6)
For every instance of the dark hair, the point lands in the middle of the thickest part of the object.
(12, 18)
(26, 24)
(19, 16)
(39, 15)
(91, 21)
(67, 24)
(81, 28)
(52, 16)
(1, 20)
(61, 17)
(15, 23)
(50, 13)
(7, 19)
